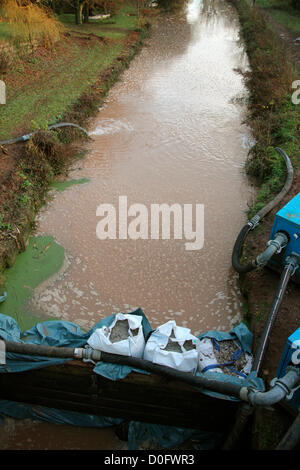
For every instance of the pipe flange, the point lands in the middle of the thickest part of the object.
(277, 382)
(277, 245)
(293, 261)
(250, 395)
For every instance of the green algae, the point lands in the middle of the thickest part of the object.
(63, 185)
(42, 258)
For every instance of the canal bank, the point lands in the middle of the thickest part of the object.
(194, 141)
(29, 171)
(108, 126)
(274, 120)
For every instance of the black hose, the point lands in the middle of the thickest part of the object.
(238, 246)
(245, 411)
(26, 137)
(288, 270)
(223, 388)
(237, 251)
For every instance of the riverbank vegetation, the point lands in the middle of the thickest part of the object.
(273, 117)
(285, 12)
(46, 82)
(275, 121)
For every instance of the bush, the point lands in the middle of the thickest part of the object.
(31, 22)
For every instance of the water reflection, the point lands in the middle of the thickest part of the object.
(170, 133)
(193, 10)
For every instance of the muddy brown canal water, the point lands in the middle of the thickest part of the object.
(171, 132)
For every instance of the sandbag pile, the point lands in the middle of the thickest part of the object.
(171, 345)
(124, 336)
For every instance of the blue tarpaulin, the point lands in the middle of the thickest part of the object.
(62, 333)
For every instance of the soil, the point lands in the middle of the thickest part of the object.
(260, 286)
(224, 354)
(119, 332)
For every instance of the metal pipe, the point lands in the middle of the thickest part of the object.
(289, 269)
(281, 388)
(273, 246)
(238, 246)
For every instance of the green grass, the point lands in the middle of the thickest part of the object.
(6, 33)
(63, 185)
(283, 13)
(53, 94)
(273, 117)
(285, 135)
(61, 81)
(119, 21)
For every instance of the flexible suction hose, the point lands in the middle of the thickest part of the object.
(227, 388)
(237, 250)
(246, 410)
(248, 394)
(26, 137)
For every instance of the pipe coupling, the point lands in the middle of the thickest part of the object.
(280, 241)
(87, 353)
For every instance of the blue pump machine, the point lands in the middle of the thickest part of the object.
(287, 220)
(291, 356)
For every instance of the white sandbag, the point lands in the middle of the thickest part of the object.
(173, 346)
(124, 336)
(207, 356)
(227, 352)
(248, 366)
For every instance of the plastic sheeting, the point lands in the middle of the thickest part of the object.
(52, 415)
(59, 333)
(63, 333)
(148, 436)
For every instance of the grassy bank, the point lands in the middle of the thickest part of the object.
(283, 12)
(44, 84)
(68, 82)
(273, 117)
(274, 121)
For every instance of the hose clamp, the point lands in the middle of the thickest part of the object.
(289, 391)
(254, 222)
(277, 245)
(248, 394)
(293, 262)
(280, 242)
(277, 382)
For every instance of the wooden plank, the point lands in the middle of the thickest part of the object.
(138, 397)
